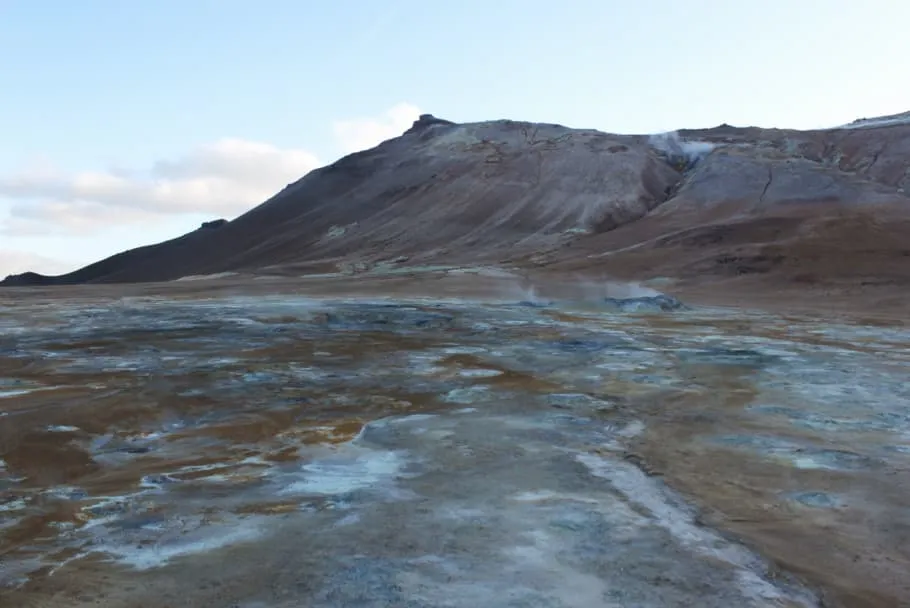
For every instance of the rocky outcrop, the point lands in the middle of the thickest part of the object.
(425, 121)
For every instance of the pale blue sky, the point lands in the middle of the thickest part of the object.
(115, 113)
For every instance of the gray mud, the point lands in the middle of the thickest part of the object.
(287, 451)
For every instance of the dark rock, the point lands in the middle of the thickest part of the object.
(213, 224)
(427, 120)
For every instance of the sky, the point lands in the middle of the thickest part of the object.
(124, 123)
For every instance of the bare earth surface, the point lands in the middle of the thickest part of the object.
(454, 438)
(397, 382)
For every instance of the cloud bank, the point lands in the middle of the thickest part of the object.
(222, 178)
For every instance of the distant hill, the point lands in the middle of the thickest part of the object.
(801, 205)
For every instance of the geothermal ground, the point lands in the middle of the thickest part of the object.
(196, 446)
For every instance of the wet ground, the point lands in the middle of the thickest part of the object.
(278, 451)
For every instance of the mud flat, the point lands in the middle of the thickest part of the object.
(261, 450)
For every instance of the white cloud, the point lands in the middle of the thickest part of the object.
(219, 179)
(13, 261)
(362, 133)
(222, 178)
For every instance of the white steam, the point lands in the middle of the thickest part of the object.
(577, 289)
(678, 150)
(629, 290)
(598, 290)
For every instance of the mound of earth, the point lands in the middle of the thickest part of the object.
(708, 205)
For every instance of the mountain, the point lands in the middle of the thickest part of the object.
(802, 207)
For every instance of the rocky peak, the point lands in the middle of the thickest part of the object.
(425, 121)
(213, 224)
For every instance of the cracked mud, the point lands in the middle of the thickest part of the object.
(284, 451)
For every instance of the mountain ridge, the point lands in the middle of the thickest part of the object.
(544, 195)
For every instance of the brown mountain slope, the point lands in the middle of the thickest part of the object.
(705, 205)
(753, 210)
